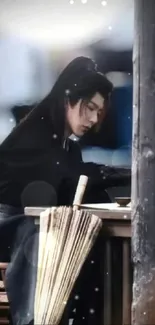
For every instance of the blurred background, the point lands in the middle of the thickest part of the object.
(39, 37)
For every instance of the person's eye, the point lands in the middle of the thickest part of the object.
(92, 109)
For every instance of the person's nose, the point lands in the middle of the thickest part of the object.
(94, 118)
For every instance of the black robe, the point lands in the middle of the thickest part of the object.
(32, 153)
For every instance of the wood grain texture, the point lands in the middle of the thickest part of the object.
(143, 164)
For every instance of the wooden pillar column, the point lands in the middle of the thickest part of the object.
(143, 165)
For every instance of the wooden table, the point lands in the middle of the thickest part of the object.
(116, 223)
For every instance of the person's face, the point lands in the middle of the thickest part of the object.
(81, 119)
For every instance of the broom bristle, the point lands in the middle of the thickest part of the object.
(65, 239)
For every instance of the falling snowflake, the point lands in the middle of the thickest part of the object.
(96, 289)
(67, 92)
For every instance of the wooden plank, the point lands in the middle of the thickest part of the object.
(108, 284)
(104, 214)
(1, 285)
(126, 299)
(3, 297)
(4, 321)
(4, 307)
(115, 230)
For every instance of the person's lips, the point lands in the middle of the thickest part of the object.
(86, 128)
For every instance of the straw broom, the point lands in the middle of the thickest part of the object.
(66, 236)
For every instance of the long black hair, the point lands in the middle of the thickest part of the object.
(79, 80)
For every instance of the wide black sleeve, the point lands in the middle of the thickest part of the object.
(103, 176)
(99, 179)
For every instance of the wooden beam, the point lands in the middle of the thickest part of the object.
(143, 165)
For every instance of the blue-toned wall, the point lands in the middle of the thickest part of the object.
(122, 110)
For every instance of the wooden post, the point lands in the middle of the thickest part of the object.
(143, 165)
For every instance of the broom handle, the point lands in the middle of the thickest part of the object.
(83, 180)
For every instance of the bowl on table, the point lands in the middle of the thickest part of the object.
(123, 201)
